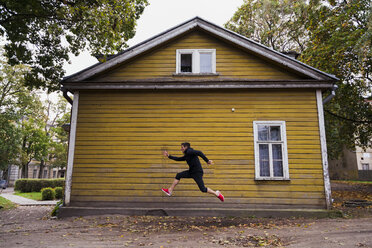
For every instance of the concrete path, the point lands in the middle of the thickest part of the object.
(8, 194)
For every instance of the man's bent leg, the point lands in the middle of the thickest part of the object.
(183, 174)
(199, 180)
(175, 182)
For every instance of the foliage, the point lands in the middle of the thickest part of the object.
(333, 36)
(35, 185)
(10, 139)
(340, 43)
(276, 24)
(48, 194)
(41, 34)
(59, 192)
(55, 210)
(13, 95)
(28, 127)
(35, 142)
(59, 145)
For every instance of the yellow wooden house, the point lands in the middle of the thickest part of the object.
(257, 113)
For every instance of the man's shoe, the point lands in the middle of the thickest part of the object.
(220, 196)
(166, 191)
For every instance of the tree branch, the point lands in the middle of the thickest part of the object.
(346, 119)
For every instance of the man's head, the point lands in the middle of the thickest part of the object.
(185, 146)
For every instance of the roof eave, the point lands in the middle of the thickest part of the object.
(228, 35)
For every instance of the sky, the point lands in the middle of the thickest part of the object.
(161, 15)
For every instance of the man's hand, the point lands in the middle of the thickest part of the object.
(210, 162)
(165, 153)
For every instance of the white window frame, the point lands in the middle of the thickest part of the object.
(195, 60)
(365, 166)
(282, 141)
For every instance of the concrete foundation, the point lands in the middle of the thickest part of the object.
(307, 213)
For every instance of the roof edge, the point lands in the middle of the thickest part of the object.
(209, 27)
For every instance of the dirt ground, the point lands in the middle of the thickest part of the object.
(33, 227)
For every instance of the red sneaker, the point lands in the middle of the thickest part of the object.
(220, 196)
(166, 191)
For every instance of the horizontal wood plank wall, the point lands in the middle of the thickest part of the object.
(120, 137)
(230, 62)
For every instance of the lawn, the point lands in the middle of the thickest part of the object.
(6, 204)
(32, 195)
(352, 181)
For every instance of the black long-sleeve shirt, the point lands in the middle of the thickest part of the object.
(191, 157)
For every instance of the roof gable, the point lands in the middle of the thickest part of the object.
(204, 26)
(231, 63)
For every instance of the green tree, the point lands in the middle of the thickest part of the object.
(333, 36)
(14, 102)
(340, 43)
(41, 34)
(35, 143)
(279, 25)
(10, 139)
(59, 147)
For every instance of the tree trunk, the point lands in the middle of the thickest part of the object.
(25, 170)
(41, 169)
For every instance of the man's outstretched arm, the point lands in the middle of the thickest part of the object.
(173, 157)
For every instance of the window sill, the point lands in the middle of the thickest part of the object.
(190, 74)
(272, 179)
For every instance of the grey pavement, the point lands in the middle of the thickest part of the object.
(8, 193)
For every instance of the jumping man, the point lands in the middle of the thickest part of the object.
(195, 171)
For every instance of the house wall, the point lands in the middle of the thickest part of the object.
(231, 62)
(121, 134)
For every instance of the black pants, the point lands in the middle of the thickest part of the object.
(198, 177)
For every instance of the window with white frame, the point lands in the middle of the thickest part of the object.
(196, 61)
(270, 150)
(365, 166)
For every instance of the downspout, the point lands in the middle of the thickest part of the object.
(330, 96)
(64, 90)
(323, 143)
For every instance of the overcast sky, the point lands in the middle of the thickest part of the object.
(161, 15)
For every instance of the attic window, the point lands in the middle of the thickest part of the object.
(186, 62)
(196, 61)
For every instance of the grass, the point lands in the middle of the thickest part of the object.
(32, 195)
(352, 181)
(6, 204)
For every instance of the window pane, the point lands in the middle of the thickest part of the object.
(275, 133)
(206, 62)
(264, 160)
(263, 132)
(186, 62)
(277, 160)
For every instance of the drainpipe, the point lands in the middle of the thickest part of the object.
(333, 93)
(66, 96)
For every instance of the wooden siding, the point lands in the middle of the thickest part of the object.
(120, 137)
(230, 62)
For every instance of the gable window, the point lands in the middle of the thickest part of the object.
(270, 149)
(196, 61)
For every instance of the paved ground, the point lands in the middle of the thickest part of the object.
(32, 226)
(8, 194)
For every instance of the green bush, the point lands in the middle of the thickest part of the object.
(56, 208)
(35, 185)
(48, 194)
(59, 192)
